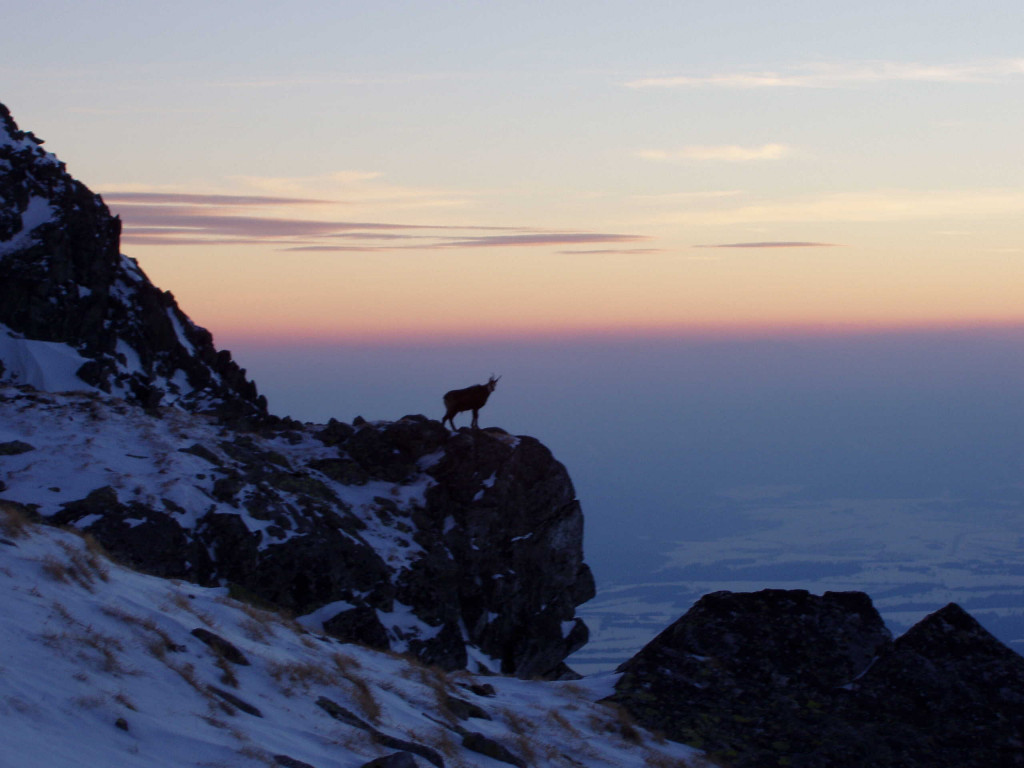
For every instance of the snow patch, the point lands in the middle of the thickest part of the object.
(39, 211)
(46, 365)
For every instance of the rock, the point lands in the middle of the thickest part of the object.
(221, 646)
(464, 710)
(14, 447)
(335, 432)
(787, 678)
(477, 742)
(358, 625)
(344, 715)
(204, 453)
(144, 538)
(345, 471)
(234, 701)
(290, 762)
(503, 539)
(751, 669)
(948, 690)
(397, 760)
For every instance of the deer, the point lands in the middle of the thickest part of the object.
(468, 399)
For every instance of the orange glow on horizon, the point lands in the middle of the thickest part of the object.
(709, 332)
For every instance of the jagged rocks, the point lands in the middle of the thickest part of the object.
(63, 279)
(137, 535)
(790, 679)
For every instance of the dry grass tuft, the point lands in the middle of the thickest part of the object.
(560, 720)
(227, 672)
(184, 602)
(300, 673)
(14, 523)
(80, 566)
(91, 646)
(158, 642)
(348, 667)
(618, 722)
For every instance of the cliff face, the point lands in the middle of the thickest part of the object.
(63, 279)
(461, 548)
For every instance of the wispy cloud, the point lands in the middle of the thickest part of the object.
(180, 198)
(729, 153)
(180, 219)
(845, 74)
(613, 252)
(677, 198)
(872, 206)
(540, 238)
(771, 244)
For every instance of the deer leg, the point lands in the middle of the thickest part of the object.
(476, 412)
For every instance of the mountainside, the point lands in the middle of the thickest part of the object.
(398, 535)
(104, 666)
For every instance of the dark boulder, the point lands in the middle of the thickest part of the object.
(784, 678)
(359, 625)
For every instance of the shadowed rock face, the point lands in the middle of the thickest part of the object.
(788, 678)
(506, 512)
(63, 279)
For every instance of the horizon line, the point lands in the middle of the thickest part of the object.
(739, 332)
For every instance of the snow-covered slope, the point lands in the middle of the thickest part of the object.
(464, 548)
(104, 666)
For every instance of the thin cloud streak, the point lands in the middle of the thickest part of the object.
(177, 198)
(613, 252)
(877, 206)
(829, 75)
(541, 239)
(772, 244)
(172, 224)
(730, 153)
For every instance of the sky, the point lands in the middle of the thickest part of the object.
(399, 171)
(723, 255)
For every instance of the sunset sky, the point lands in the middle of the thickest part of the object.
(723, 254)
(405, 170)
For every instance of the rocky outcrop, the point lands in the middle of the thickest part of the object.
(63, 279)
(791, 679)
(397, 535)
(506, 534)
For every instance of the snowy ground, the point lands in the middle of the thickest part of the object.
(99, 667)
